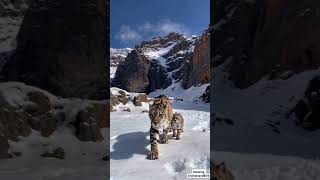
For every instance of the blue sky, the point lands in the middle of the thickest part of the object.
(135, 20)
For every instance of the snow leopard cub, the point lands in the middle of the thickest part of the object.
(177, 125)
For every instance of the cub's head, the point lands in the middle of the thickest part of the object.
(219, 172)
(176, 119)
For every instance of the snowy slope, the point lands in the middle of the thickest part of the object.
(263, 143)
(83, 160)
(129, 143)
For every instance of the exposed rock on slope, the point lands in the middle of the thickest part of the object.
(24, 108)
(166, 60)
(266, 36)
(116, 57)
(11, 15)
(61, 48)
(132, 74)
(200, 65)
(307, 110)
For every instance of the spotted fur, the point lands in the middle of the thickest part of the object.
(160, 114)
(177, 125)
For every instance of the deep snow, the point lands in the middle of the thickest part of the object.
(263, 144)
(129, 143)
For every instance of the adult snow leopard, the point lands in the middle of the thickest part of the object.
(160, 114)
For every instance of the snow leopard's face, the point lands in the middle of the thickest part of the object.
(158, 113)
(176, 120)
(157, 118)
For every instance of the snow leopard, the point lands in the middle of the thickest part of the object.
(220, 172)
(160, 114)
(177, 125)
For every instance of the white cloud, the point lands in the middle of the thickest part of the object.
(128, 35)
(164, 27)
(167, 26)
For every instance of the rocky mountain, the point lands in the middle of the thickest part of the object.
(162, 61)
(267, 46)
(61, 48)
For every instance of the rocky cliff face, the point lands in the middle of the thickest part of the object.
(116, 57)
(266, 37)
(11, 16)
(166, 60)
(62, 48)
(133, 73)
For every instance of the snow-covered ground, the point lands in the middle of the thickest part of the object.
(129, 143)
(83, 160)
(263, 144)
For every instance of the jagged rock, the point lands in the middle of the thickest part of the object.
(157, 77)
(57, 153)
(132, 74)
(14, 123)
(120, 98)
(127, 110)
(41, 103)
(14, 8)
(61, 48)
(200, 66)
(45, 123)
(137, 100)
(307, 110)
(262, 36)
(206, 95)
(87, 128)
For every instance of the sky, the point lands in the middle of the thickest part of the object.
(132, 21)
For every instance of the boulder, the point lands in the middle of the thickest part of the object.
(137, 100)
(87, 127)
(14, 123)
(57, 153)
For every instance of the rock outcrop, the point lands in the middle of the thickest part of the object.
(62, 48)
(263, 36)
(307, 110)
(132, 74)
(24, 108)
(200, 63)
